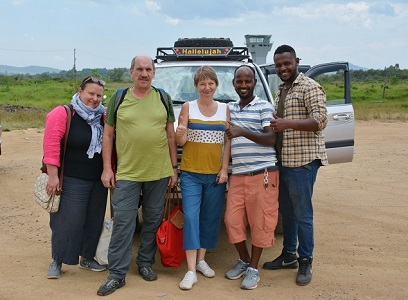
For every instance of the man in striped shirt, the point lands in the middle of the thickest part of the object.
(253, 186)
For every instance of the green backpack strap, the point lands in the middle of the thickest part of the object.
(164, 99)
(121, 93)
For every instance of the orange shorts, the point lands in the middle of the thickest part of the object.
(248, 202)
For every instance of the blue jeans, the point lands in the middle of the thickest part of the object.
(203, 203)
(296, 208)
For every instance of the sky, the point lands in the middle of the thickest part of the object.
(109, 33)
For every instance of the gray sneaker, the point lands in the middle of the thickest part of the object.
(54, 270)
(147, 273)
(91, 265)
(238, 270)
(251, 279)
(304, 274)
(110, 286)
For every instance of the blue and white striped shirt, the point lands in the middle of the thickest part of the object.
(248, 156)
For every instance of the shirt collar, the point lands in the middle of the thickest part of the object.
(256, 99)
(295, 82)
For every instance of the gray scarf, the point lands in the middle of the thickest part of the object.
(92, 116)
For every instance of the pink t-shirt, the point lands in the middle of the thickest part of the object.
(55, 126)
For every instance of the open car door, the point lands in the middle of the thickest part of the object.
(335, 79)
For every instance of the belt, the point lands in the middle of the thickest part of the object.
(270, 169)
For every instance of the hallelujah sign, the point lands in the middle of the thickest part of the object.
(201, 51)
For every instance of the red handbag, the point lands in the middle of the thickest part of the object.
(169, 236)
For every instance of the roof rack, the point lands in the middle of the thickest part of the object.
(202, 53)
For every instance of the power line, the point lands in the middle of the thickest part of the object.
(98, 56)
(110, 59)
(23, 50)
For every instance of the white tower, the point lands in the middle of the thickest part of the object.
(258, 46)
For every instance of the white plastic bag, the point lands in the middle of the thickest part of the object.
(101, 255)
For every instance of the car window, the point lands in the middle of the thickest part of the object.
(178, 81)
(333, 84)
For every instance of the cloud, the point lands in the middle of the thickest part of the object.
(210, 13)
(190, 10)
(29, 37)
(320, 30)
(382, 9)
(172, 21)
(136, 10)
(58, 58)
(358, 14)
(17, 2)
(152, 6)
(354, 14)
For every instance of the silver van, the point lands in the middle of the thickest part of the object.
(175, 67)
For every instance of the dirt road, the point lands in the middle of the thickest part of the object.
(361, 226)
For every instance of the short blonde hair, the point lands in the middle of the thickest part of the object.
(204, 72)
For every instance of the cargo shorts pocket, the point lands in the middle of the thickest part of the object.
(270, 218)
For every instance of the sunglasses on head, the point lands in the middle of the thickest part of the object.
(94, 80)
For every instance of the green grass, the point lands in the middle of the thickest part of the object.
(22, 119)
(24, 103)
(370, 103)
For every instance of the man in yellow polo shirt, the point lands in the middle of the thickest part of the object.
(146, 162)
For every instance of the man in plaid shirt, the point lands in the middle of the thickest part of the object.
(299, 122)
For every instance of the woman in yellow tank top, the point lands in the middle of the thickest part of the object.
(204, 172)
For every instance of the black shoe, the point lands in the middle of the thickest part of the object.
(147, 273)
(304, 274)
(110, 286)
(283, 261)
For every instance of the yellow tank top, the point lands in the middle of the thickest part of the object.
(202, 153)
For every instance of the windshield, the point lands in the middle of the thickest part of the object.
(178, 81)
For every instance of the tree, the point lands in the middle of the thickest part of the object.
(116, 74)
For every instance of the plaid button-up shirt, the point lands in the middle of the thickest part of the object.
(306, 98)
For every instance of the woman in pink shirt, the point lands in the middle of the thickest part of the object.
(77, 225)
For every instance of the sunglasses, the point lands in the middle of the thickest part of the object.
(94, 80)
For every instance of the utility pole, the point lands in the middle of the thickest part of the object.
(75, 77)
(384, 87)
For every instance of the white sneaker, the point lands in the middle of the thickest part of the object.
(205, 269)
(189, 279)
